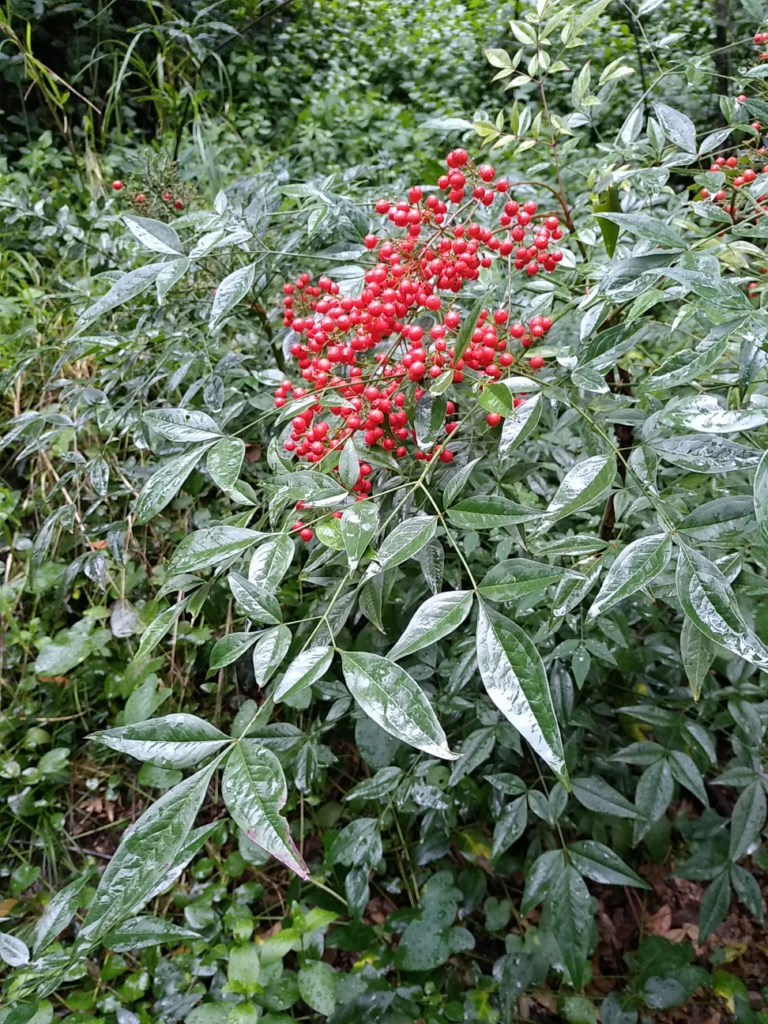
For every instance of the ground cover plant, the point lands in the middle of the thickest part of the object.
(385, 550)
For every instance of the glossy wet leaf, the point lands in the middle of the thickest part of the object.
(127, 287)
(714, 905)
(225, 460)
(710, 603)
(485, 512)
(518, 577)
(405, 541)
(145, 852)
(146, 933)
(232, 289)
(307, 668)
(429, 419)
(636, 566)
(58, 913)
(677, 126)
(582, 486)
(686, 366)
(458, 482)
(271, 647)
(165, 483)
(388, 695)
(572, 909)
(596, 861)
(254, 790)
(514, 678)
(715, 519)
(748, 820)
(510, 826)
(271, 561)
(13, 951)
(229, 648)
(703, 453)
(182, 426)
(761, 502)
(697, 652)
(349, 465)
(211, 546)
(599, 796)
(434, 619)
(317, 987)
(154, 235)
(160, 625)
(359, 524)
(173, 741)
(257, 602)
(520, 424)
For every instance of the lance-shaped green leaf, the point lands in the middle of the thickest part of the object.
(405, 541)
(307, 668)
(271, 647)
(255, 791)
(678, 127)
(464, 336)
(703, 453)
(487, 511)
(596, 861)
(173, 741)
(637, 566)
(155, 235)
(697, 653)
(389, 696)
(510, 826)
(229, 648)
(520, 424)
(458, 481)
(13, 951)
(271, 561)
(211, 546)
(436, 618)
(165, 483)
(714, 519)
(144, 933)
(349, 465)
(582, 486)
(255, 601)
(709, 602)
(225, 460)
(359, 524)
(141, 860)
(519, 577)
(514, 678)
(572, 910)
(686, 366)
(429, 419)
(58, 913)
(182, 426)
(158, 627)
(761, 502)
(123, 290)
(748, 820)
(232, 289)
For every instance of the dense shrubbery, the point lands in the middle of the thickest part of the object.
(398, 537)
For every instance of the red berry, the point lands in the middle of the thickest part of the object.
(117, 186)
(178, 205)
(167, 197)
(493, 419)
(140, 198)
(536, 363)
(306, 534)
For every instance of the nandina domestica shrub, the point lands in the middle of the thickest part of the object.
(501, 570)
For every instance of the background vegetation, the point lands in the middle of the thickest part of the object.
(599, 854)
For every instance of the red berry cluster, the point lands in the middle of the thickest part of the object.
(364, 352)
(761, 39)
(140, 198)
(737, 176)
